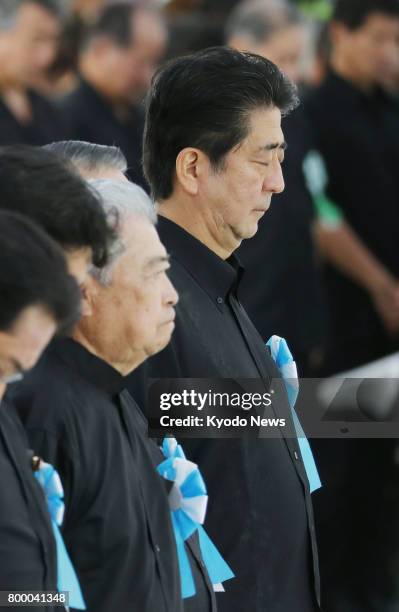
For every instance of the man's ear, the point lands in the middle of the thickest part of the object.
(89, 290)
(191, 164)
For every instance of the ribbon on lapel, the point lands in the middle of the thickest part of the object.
(188, 501)
(287, 367)
(51, 484)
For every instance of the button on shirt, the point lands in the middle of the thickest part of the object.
(27, 547)
(259, 513)
(117, 524)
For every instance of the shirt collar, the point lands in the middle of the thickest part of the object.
(91, 368)
(218, 277)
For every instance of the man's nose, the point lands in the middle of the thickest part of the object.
(172, 297)
(274, 183)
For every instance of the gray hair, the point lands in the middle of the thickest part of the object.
(260, 20)
(9, 10)
(87, 156)
(120, 200)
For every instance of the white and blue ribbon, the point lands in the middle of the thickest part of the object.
(67, 580)
(287, 367)
(188, 501)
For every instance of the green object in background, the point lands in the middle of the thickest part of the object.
(316, 179)
(320, 10)
(327, 212)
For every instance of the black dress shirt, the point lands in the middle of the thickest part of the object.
(90, 117)
(259, 512)
(282, 285)
(117, 524)
(358, 135)
(27, 547)
(47, 123)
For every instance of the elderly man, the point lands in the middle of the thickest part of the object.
(29, 31)
(118, 58)
(101, 161)
(213, 149)
(92, 161)
(38, 297)
(80, 417)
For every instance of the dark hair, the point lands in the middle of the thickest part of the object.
(204, 100)
(89, 156)
(41, 185)
(113, 22)
(33, 272)
(353, 13)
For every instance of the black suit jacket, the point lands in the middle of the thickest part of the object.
(27, 547)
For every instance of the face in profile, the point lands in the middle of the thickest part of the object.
(240, 193)
(133, 314)
(22, 344)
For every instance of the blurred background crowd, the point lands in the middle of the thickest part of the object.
(323, 269)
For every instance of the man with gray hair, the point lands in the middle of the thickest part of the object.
(101, 161)
(80, 418)
(29, 32)
(92, 161)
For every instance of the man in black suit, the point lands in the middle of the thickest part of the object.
(29, 31)
(38, 298)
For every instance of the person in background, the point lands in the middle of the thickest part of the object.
(29, 31)
(92, 161)
(118, 57)
(38, 298)
(357, 130)
(357, 127)
(62, 77)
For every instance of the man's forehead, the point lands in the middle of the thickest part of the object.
(265, 129)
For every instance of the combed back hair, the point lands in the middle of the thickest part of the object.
(89, 157)
(33, 272)
(353, 13)
(120, 200)
(9, 10)
(205, 100)
(258, 20)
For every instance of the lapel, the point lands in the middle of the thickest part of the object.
(274, 383)
(33, 495)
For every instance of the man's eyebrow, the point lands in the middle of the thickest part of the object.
(153, 261)
(273, 145)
